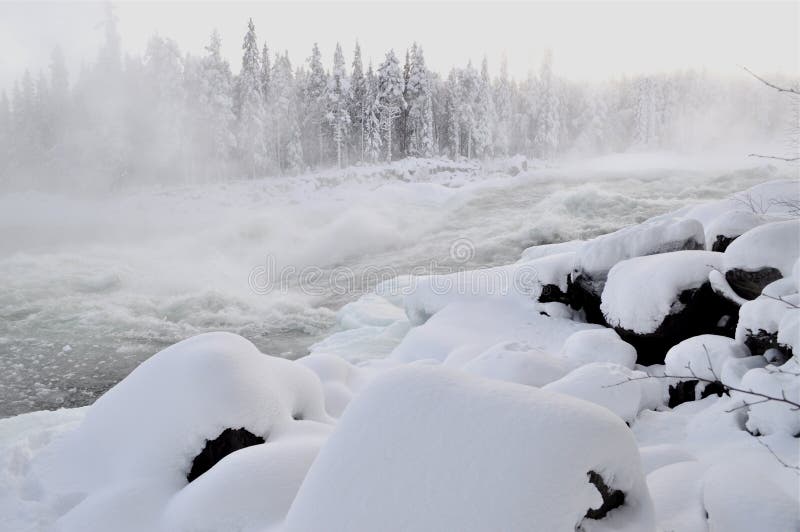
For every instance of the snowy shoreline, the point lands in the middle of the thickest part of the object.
(480, 408)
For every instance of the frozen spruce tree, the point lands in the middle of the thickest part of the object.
(214, 108)
(485, 113)
(372, 121)
(390, 98)
(453, 114)
(250, 127)
(503, 104)
(285, 122)
(338, 113)
(548, 124)
(469, 81)
(420, 106)
(357, 104)
(316, 105)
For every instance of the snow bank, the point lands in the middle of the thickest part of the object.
(642, 291)
(730, 225)
(127, 463)
(428, 449)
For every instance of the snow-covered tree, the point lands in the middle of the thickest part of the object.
(390, 98)
(357, 103)
(503, 104)
(250, 114)
(372, 121)
(316, 86)
(338, 113)
(548, 124)
(419, 98)
(485, 114)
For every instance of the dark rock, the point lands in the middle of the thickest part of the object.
(611, 498)
(552, 294)
(722, 242)
(750, 284)
(229, 441)
(685, 391)
(704, 312)
(584, 294)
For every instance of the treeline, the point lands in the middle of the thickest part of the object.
(174, 117)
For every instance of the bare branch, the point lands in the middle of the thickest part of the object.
(786, 159)
(790, 90)
(796, 469)
(780, 298)
(726, 388)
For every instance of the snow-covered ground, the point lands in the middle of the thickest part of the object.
(90, 287)
(480, 399)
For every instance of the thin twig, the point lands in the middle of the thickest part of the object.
(796, 469)
(786, 159)
(769, 84)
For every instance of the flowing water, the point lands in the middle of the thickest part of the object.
(90, 286)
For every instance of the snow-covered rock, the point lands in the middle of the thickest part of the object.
(130, 458)
(761, 256)
(596, 257)
(656, 301)
(598, 345)
(608, 385)
(516, 362)
(428, 449)
(742, 499)
(728, 226)
(770, 417)
(544, 250)
(769, 323)
(340, 379)
(698, 360)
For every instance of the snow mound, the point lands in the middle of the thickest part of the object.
(773, 417)
(607, 385)
(598, 345)
(340, 379)
(703, 356)
(774, 245)
(517, 362)
(596, 257)
(519, 456)
(728, 226)
(476, 326)
(642, 291)
(769, 322)
(137, 444)
(743, 499)
(545, 250)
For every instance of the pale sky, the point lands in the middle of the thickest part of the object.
(590, 40)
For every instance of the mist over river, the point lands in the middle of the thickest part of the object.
(90, 286)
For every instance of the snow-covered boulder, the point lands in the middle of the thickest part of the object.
(768, 324)
(700, 357)
(740, 498)
(761, 256)
(656, 301)
(598, 345)
(728, 226)
(424, 448)
(544, 250)
(771, 417)
(517, 362)
(171, 441)
(609, 385)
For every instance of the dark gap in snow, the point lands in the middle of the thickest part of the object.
(682, 392)
(722, 242)
(229, 441)
(611, 498)
(582, 294)
(762, 342)
(750, 284)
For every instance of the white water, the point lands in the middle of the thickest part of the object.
(90, 287)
